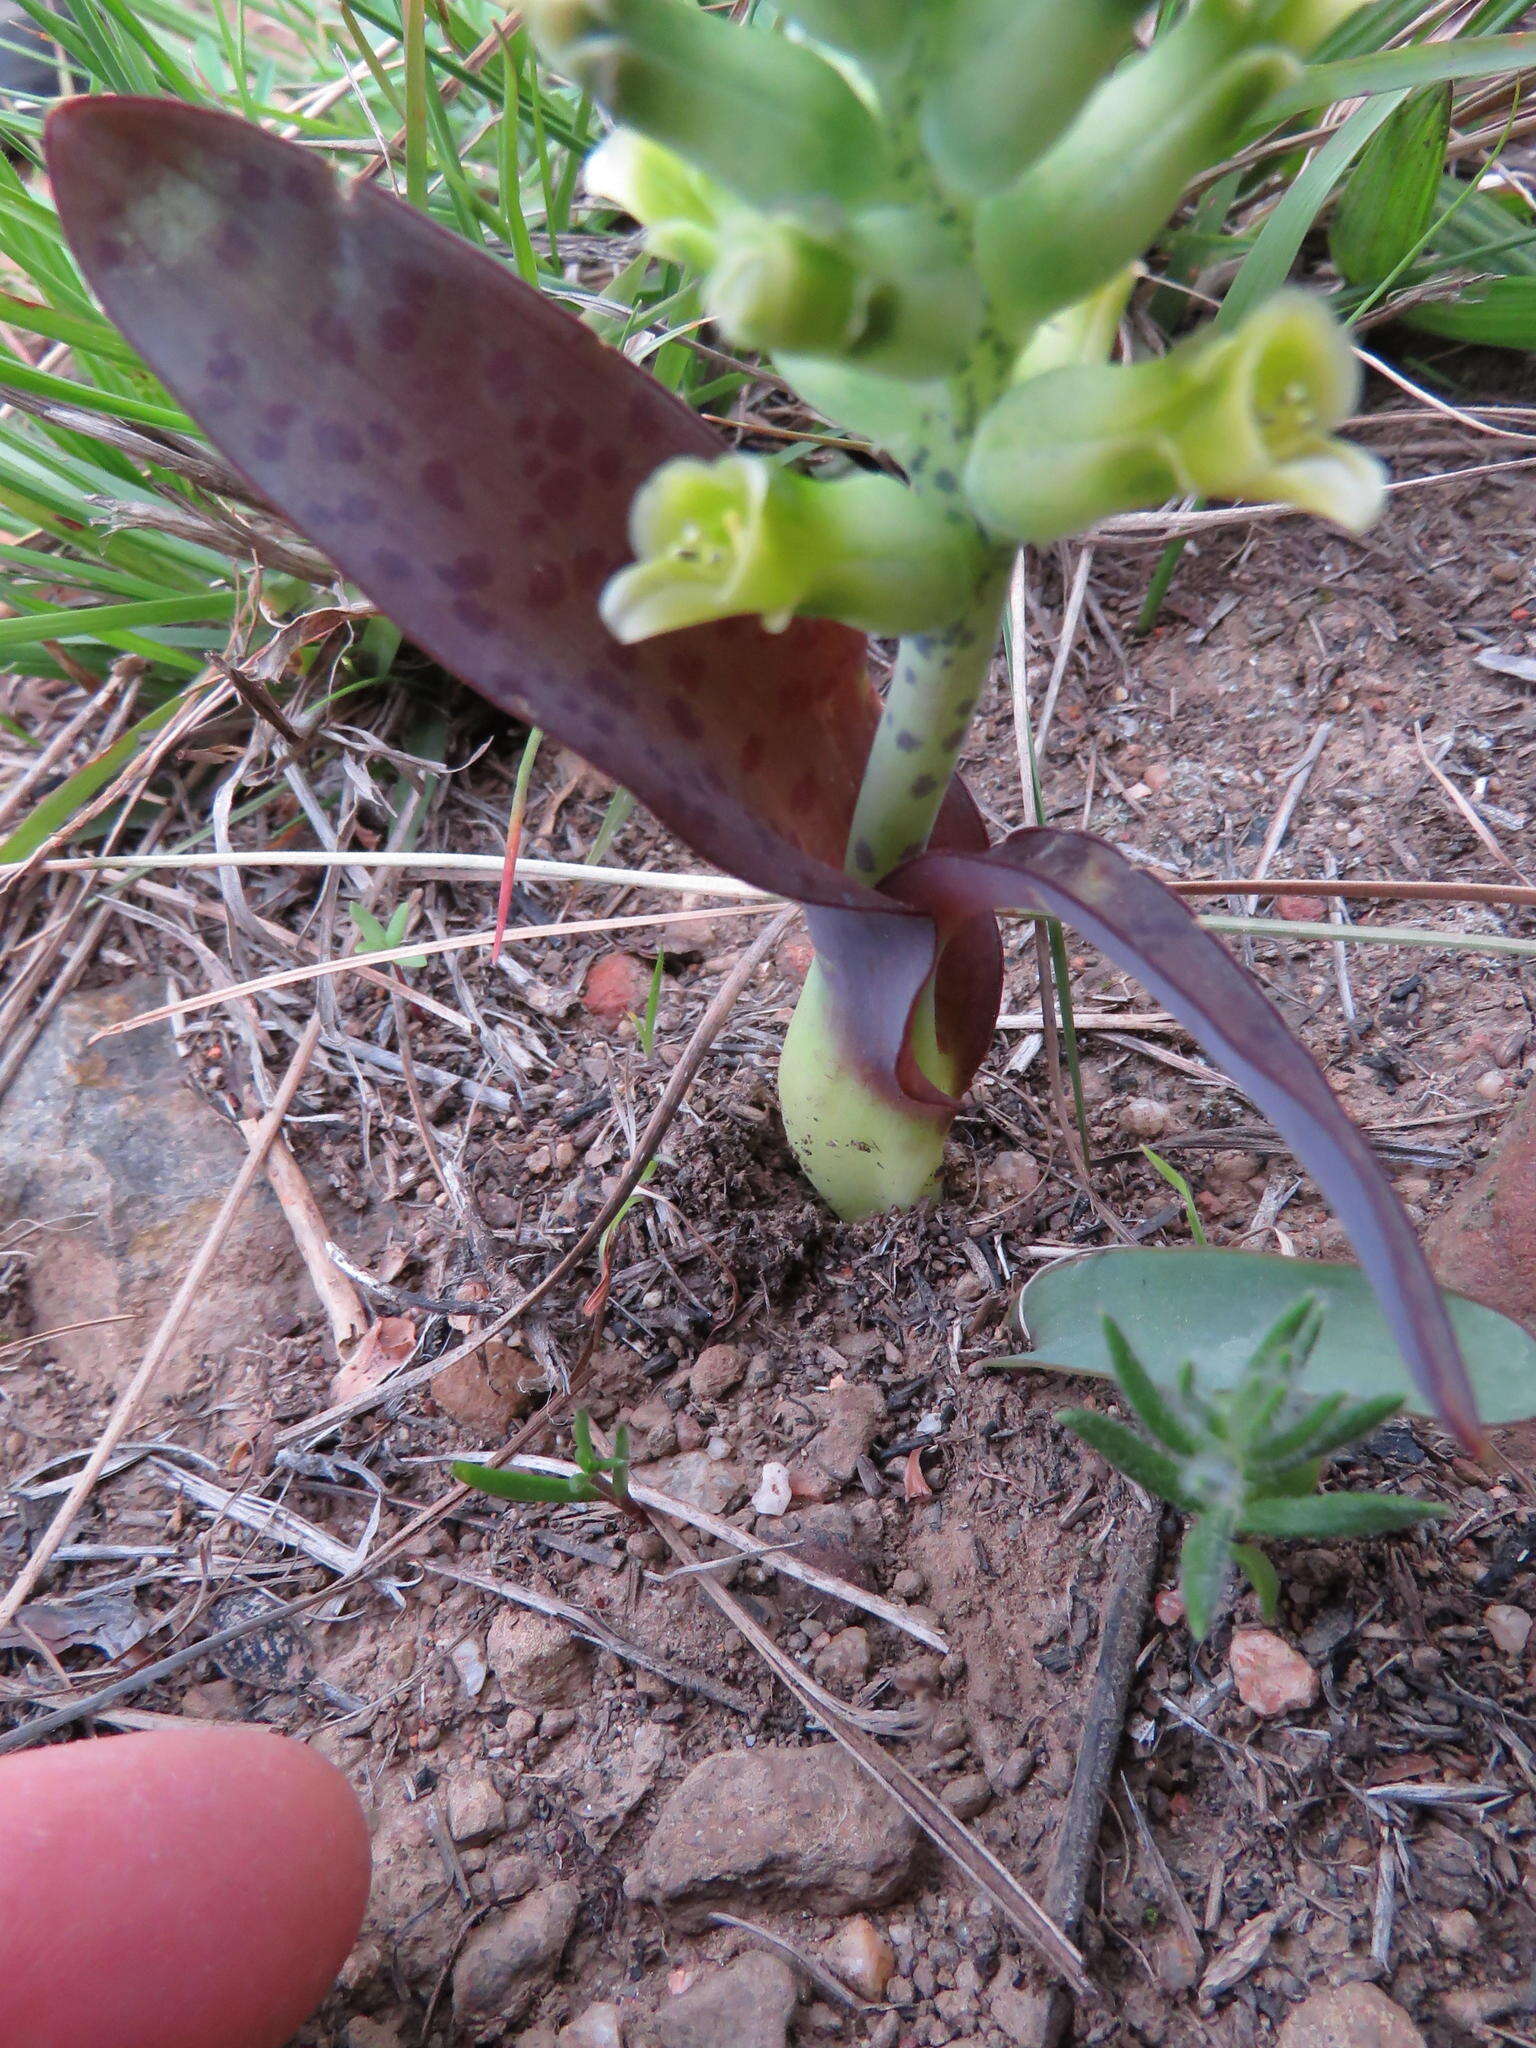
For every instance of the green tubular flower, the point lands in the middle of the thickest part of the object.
(716, 540)
(1243, 416)
(1007, 76)
(774, 285)
(1099, 195)
(770, 119)
(889, 290)
(1270, 396)
(679, 210)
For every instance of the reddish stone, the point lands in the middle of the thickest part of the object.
(1485, 1244)
(1270, 1676)
(616, 987)
(1302, 909)
(794, 955)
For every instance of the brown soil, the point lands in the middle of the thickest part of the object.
(1255, 1836)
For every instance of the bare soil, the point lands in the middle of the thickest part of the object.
(1243, 1862)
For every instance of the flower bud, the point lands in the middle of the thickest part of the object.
(768, 118)
(1080, 333)
(1247, 415)
(775, 286)
(1099, 195)
(716, 540)
(890, 290)
(679, 210)
(1005, 77)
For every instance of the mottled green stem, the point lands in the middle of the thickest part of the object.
(928, 711)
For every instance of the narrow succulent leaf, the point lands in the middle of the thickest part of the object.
(532, 1487)
(1389, 71)
(1261, 1575)
(1205, 1564)
(1155, 1414)
(1385, 207)
(467, 454)
(1129, 1453)
(1493, 312)
(1143, 928)
(769, 118)
(1289, 1444)
(1334, 1514)
(1329, 1434)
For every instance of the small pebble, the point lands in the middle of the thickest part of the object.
(968, 1796)
(1510, 1628)
(1143, 1118)
(774, 1492)
(1459, 1931)
(861, 1957)
(1271, 1677)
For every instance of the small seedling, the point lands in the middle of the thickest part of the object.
(384, 938)
(645, 1021)
(596, 1478)
(1244, 1463)
(1181, 1187)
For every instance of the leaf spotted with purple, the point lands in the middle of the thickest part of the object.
(466, 453)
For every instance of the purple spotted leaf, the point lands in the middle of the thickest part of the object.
(877, 967)
(466, 453)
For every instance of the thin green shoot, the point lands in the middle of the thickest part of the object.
(1181, 1188)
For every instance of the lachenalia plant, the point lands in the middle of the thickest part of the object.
(927, 213)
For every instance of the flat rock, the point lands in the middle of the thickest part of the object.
(539, 1662)
(510, 1956)
(852, 1416)
(119, 1168)
(1484, 1244)
(748, 2005)
(1352, 2016)
(1270, 1676)
(696, 1479)
(798, 1827)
